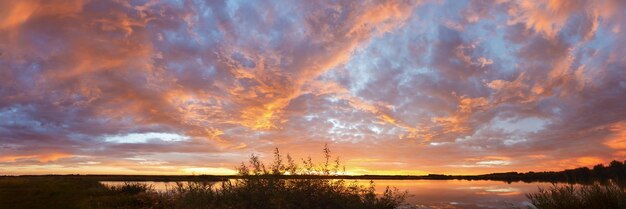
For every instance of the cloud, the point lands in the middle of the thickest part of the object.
(184, 86)
(42, 158)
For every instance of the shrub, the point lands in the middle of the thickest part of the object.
(594, 196)
(278, 186)
(131, 188)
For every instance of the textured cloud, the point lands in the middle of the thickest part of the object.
(395, 86)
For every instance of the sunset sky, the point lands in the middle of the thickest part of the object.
(393, 87)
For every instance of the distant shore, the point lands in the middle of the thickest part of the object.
(506, 177)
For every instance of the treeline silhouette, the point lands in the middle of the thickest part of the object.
(615, 171)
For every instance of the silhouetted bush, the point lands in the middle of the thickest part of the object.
(264, 186)
(131, 188)
(281, 184)
(594, 196)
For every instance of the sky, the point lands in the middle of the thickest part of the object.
(393, 87)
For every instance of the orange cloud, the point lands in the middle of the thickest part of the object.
(43, 158)
(15, 13)
(373, 20)
(585, 161)
(617, 139)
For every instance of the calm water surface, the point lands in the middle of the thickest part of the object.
(439, 194)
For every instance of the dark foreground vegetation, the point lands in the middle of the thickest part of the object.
(594, 196)
(261, 186)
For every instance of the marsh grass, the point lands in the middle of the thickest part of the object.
(595, 196)
(47, 192)
(131, 188)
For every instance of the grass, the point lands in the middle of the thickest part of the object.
(72, 193)
(34, 192)
(595, 196)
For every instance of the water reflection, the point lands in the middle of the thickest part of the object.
(159, 186)
(437, 194)
(464, 194)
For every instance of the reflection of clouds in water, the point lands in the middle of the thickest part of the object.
(158, 186)
(504, 191)
(437, 194)
(497, 190)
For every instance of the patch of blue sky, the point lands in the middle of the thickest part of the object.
(451, 9)
(602, 43)
(135, 138)
(204, 30)
(287, 25)
(175, 67)
(391, 52)
(288, 16)
(196, 33)
(570, 33)
(423, 28)
(179, 4)
(208, 71)
(491, 35)
(406, 78)
(205, 12)
(233, 5)
(243, 60)
(360, 74)
(176, 36)
(524, 125)
(408, 50)
(138, 2)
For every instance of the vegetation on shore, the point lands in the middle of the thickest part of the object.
(615, 171)
(594, 196)
(260, 187)
(600, 187)
(263, 187)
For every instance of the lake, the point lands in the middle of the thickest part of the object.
(439, 194)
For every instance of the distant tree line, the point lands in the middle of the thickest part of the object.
(615, 171)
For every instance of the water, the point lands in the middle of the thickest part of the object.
(438, 194)
(463, 194)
